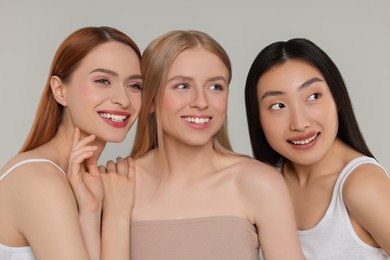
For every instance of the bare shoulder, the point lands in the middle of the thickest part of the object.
(366, 184)
(258, 186)
(37, 194)
(146, 167)
(34, 178)
(366, 194)
(256, 175)
(146, 161)
(32, 170)
(30, 162)
(263, 193)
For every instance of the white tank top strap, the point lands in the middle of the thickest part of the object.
(355, 163)
(30, 161)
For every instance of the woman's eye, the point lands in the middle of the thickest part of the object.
(182, 86)
(277, 106)
(103, 81)
(135, 86)
(216, 87)
(314, 96)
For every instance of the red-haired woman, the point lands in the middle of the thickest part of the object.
(94, 86)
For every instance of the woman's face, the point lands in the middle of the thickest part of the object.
(103, 96)
(195, 98)
(297, 112)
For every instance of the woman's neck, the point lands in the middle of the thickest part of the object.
(331, 163)
(61, 145)
(187, 161)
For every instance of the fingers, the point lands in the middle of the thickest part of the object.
(76, 159)
(111, 167)
(80, 152)
(102, 169)
(77, 143)
(130, 167)
(119, 187)
(120, 167)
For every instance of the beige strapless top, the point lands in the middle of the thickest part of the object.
(208, 238)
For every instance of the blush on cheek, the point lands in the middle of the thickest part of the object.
(87, 91)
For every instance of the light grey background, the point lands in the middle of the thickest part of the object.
(355, 33)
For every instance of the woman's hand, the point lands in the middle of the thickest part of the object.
(119, 192)
(83, 175)
(119, 186)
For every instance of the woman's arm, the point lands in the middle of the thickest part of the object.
(119, 187)
(84, 177)
(366, 194)
(273, 214)
(45, 212)
(114, 183)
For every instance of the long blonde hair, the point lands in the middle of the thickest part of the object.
(155, 64)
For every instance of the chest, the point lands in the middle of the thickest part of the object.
(214, 197)
(311, 201)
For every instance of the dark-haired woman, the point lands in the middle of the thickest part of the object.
(301, 120)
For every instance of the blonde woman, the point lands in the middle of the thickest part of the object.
(195, 198)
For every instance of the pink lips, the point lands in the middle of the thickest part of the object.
(118, 119)
(198, 122)
(304, 141)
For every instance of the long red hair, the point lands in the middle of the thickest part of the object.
(66, 60)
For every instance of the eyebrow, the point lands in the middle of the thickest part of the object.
(115, 74)
(185, 78)
(304, 85)
(309, 82)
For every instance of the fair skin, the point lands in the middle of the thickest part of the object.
(299, 118)
(105, 82)
(193, 110)
(109, 189)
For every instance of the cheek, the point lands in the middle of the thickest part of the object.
(328, 114)
(332, 119)
(220, 103)
(272, 128)
(76, 101)
(81, 94)
(135, 101)
(171, 103)
(84, 89)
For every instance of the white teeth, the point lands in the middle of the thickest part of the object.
(197, 120)
(115, 118)
(306, 141)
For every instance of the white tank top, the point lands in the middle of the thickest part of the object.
(20, 253)
(334, 237)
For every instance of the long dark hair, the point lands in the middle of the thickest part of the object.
(278, 53)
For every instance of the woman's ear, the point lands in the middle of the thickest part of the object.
(58, 90)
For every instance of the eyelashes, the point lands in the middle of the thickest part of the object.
(107, 82)
(216, 87)
(277, 106)
(311, 98)
(103, 81)
(314, 96)
(135, 86)
(182, 86)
